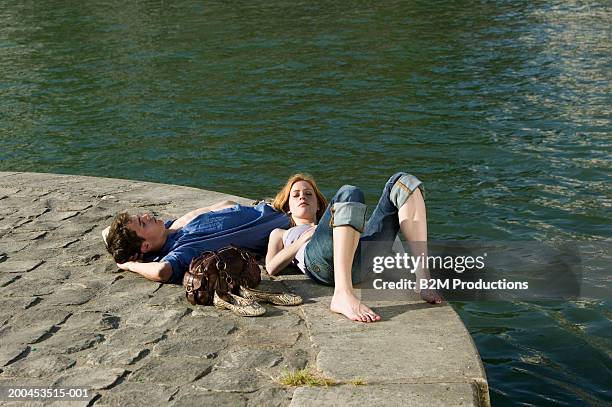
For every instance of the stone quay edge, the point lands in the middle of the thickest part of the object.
(70, 319)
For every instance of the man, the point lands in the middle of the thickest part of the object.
(162, 251)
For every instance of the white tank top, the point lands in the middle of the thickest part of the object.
(291, 236)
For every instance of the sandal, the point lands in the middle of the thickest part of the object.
(239, 306)
(277, 298)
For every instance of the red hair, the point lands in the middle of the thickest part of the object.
(281, 201)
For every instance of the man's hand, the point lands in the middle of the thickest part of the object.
(154, 271)
(126, 266)
(105, 235)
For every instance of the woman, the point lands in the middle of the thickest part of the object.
(325, 240)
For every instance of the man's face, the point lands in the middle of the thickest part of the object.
(148, 228)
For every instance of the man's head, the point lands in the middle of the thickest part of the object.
(131, 235)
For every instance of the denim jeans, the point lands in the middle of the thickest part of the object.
(347, 208)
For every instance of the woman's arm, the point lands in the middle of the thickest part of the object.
(155, 271)
(278, 256)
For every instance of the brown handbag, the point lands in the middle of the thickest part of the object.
(223, 271)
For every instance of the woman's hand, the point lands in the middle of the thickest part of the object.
(306, 236)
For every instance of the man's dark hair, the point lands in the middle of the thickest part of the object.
(122, 243)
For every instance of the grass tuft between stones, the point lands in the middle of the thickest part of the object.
(358, 382)
(305, 377)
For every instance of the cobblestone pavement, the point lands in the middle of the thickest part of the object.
(69, 318)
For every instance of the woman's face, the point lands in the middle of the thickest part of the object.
(303, 202)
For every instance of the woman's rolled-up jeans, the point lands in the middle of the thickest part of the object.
(347, 208)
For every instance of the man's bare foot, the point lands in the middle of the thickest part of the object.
(431, 296)
(352, 308)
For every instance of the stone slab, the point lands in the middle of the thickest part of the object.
(168, 370)
(129, 394)
(202, 397)
(90, 378)
(392, 395)
(404, 347)
(36, 366)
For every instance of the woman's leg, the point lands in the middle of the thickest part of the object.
(413, 224)
(330, 253)
(401, 207)
(344, 300)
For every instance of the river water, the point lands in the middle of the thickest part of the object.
(502, 108)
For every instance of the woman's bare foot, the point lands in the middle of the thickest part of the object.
(431, 296)
(347, 304)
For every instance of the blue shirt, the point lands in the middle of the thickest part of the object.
(247, 227)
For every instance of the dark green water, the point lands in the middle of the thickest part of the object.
(501, 107)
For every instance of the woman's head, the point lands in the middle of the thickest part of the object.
(301, 198)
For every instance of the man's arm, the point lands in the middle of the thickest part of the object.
(155, 271)
(188, 217)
